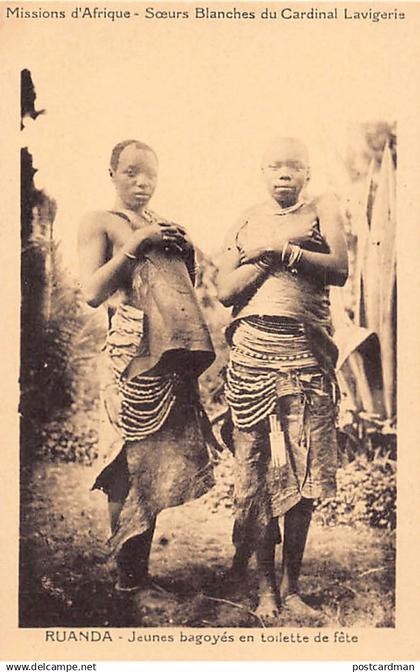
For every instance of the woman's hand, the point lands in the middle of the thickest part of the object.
(272, 251)
(249, 256)
(186, 244)
(309, 240)
(161, 234)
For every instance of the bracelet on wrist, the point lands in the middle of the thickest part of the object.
(284, 252)
(263, 263)
(130, 256)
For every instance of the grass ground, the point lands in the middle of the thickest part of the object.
(67, 578)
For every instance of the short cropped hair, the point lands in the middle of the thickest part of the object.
(282, 141)
(116, 152)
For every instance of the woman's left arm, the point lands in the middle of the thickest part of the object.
(331, 267)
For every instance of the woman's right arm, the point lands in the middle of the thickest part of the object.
(236, 281)
(100, 277)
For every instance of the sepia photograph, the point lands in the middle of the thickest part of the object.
(255, 382)
(209, 335)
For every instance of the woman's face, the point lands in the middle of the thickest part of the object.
(135, 177)
(285, 170)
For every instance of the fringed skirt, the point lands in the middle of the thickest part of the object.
(153, 452)
(262, 382)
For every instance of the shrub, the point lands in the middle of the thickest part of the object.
(72, 438)
(366, 493)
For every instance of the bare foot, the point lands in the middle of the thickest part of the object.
(294, 604)
(128, 583)
(267, 606)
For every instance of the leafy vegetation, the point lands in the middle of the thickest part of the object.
(366, 494)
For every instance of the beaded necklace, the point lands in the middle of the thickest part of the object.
(291, 208)
(139, 220)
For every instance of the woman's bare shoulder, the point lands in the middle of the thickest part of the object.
(326, 202)
(255, 210)
(97, 218)
(97, 222)
(233, 231)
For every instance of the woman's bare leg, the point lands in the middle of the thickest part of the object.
(296, 526)
(267, 593)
